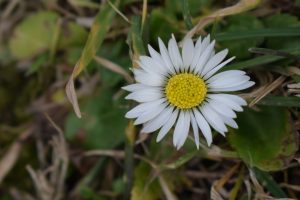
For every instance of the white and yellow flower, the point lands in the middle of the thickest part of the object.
(186, 91)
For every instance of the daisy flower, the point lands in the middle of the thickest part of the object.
(184, 89)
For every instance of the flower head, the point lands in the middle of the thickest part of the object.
(185, 90)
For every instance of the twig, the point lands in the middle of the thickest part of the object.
(114, 67)
(12, 155)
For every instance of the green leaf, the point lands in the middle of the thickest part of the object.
(96, 36)
(162, 25)
(267, 181)
(241, 23)
(36, 33)
(87, 193)
(144, 187)
(282, 21)
(103, 125)
(265, 32)
(261, 60)
(33, 35)
(100, 27)
(280, 101)
(181, 161)
(135, 37)
(37, 64)
(71, 35)
(264, 138)
(186, 14)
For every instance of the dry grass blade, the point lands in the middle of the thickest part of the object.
(71, 94)
(214, 195)
(241, 6)
(44, 190)
(144, 14)
(49, 183)
(168, 193)
(96, 36)
(114, 67)
(259, 191)
(118, 11)
(111, 153)
(267, 90)
(220, 183)
(10, 158)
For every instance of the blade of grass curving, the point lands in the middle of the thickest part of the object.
(180, 161)
(267, 32)
(96, 36)
(135, 40)
(261, 60)
(186, 14)
(136, 46)
(280, 101)
(268, 182)
(241, 6)
(144, 13)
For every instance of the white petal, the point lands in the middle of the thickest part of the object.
(168, 125)
(229, 82)
(181, 130)
(146, 95)
(204, 127)
(198, 43)
(213, 118)
(135, 87)
(199, 49)
(139, 109)
(157, 57)
(204, 58)
(214, 61)
(229, 121)
(158, 122)
(222, 108)
(195, 130)
(226, 99)
(165, 56)
(233, 88)
(217, 68)
(226, 75)
(187, 52)
(147, 78)
(150, 114)
(175, 54)
(151, 65)
(237, 99)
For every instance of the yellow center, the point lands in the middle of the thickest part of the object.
(185, 90)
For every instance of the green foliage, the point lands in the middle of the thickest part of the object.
(103, 124)
(237, 23)
(100, 27)
(264, 139)
(36, 33)
(195, 6)
(145, 187)
(162, 25)
(282, 21)
(289, 101)
(88, 194)
(267, 181)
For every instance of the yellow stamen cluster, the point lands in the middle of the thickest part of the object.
(185, 90)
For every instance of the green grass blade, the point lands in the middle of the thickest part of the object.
(280, 101)
(268, 182)
(96, 36)
(261, 60)
(270, 32)
(186, 14)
